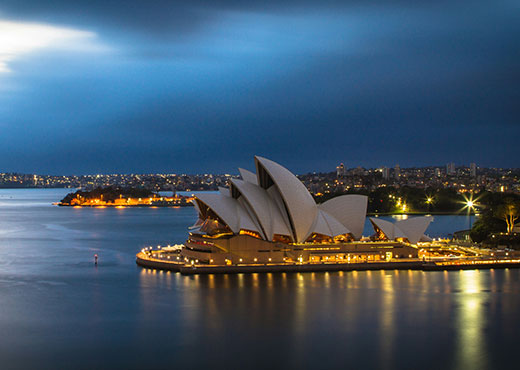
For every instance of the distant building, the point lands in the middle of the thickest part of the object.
(473, 170)
(386, 173)
(438, 172)
(397, 171)
(341, 170)
(450, 169)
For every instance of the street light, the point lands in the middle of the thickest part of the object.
(470, 205)
(429, 202)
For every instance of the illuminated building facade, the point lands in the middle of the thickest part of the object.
(270, 217)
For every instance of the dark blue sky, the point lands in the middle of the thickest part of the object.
(202, 86)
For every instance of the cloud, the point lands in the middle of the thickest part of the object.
(20, 39)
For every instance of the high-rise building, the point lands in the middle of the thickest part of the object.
(397, 171)
(473, 169)
(438, 172)
(450, 169)
(386, 173)
(341, 170)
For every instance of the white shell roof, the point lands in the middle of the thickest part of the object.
(248, 176)
(301, 206)
(264, 208)
(274, 194)
(229, 210)
(414, 228)
(244, 220)
(274, 201)
(328, 225)
(386, 227)
(350, 210)
(196, 205)
(245, 205)
(224, 191)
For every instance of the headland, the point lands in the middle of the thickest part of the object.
(121, 197)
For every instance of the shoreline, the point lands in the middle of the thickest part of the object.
(369, 214)
(125, 206)
(152, 263)
(440, 213)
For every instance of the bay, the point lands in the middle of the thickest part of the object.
(57, 310)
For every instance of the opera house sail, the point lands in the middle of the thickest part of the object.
(270, 217)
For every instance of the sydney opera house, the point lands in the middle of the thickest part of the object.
(270, 217)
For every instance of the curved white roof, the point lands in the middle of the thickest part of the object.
(248, 176)
(328, 225)
(350, 210)
(225, 207)
(414, 228)
(245, 222)
(274, 194)
(388, 228)
(199, 221)
(229, 210)
(245, 205)
(301, 207)
(196, 205)
(275, 202)
(264, 208)
(224, 191)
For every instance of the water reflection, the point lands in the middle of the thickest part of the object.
(56, 305)
(470, 321)
(368, 315)
(387, 320)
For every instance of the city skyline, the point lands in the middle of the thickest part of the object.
(342, 179)
(88, 88)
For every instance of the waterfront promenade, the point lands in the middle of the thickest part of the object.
(157, 260)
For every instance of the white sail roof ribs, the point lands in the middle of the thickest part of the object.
(412, 228)
(243, 202)
(386, 227)
(275, 202)
(263, 207)
(349, 210)
(224, 191)
(301, 207)
(248, 176)
(328, 225)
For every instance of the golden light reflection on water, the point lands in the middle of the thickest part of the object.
(387, 319)
(470, 321)
(327, 280)
(306, 304)
(300, 307)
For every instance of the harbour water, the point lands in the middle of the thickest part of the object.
(58, 310)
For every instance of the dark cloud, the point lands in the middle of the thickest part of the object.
(202, 86)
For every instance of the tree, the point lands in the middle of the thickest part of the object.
(509, 211)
